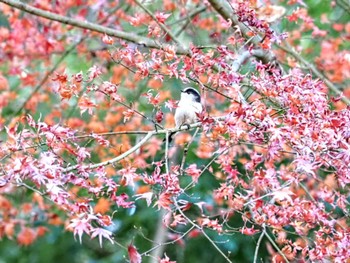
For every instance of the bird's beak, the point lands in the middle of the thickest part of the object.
(182, 90)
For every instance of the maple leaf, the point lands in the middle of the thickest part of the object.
(79, 226)
(82, 154)
(193, 172)
(85, 104)
(128, 114)
(107, 39)
(178, 219)
(214, 224)
(67, 91)
(100, 140)
(153, 100)
(283, 194)
(101, 233)
(121, 200)
(170, 54)
(136, 20)
(164, 201)
(134, 256)
(171, 104)
(78, 77)
(94, 72)
(109, 87)
(62, 78)
(147, 196)
(161, 17)
(129, 175)
(154, 30)
(26, 236)
(249, 231)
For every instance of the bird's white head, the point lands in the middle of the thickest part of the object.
(190, 95)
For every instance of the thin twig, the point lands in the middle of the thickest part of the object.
(193, 13)
(166, 30)
(135, 148)
(258, 245)
(206, 167)
(186, 151)
(114, 160)
(46, 77)
(168, 243)
(223, 8)
(202, 231)
(134, 110)
(276, 247)
(188, 18)
(268, 194)
(166, 152)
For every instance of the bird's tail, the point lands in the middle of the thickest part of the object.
(170, 137)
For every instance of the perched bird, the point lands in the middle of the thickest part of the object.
(188, 108)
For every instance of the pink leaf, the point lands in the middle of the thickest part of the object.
(193, 172)
(80, 226)
(102, 233)
(161, 17)
(134, 256)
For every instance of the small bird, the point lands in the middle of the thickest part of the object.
(188, 108)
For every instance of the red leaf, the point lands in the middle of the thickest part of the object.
(26, 236)
(134, 256)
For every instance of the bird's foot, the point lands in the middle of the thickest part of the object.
(185, 124)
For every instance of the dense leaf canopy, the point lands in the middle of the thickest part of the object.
(88, 92)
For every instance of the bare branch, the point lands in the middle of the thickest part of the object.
(258, 245)
(116, 159)
(185, 151)
(168, 243)
(133, 149)
(258, 53)
(190, 15)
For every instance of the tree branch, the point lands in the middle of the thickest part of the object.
(258, 245)
(116, 159)
(135, 148)
(258, 53)
(90, 26)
